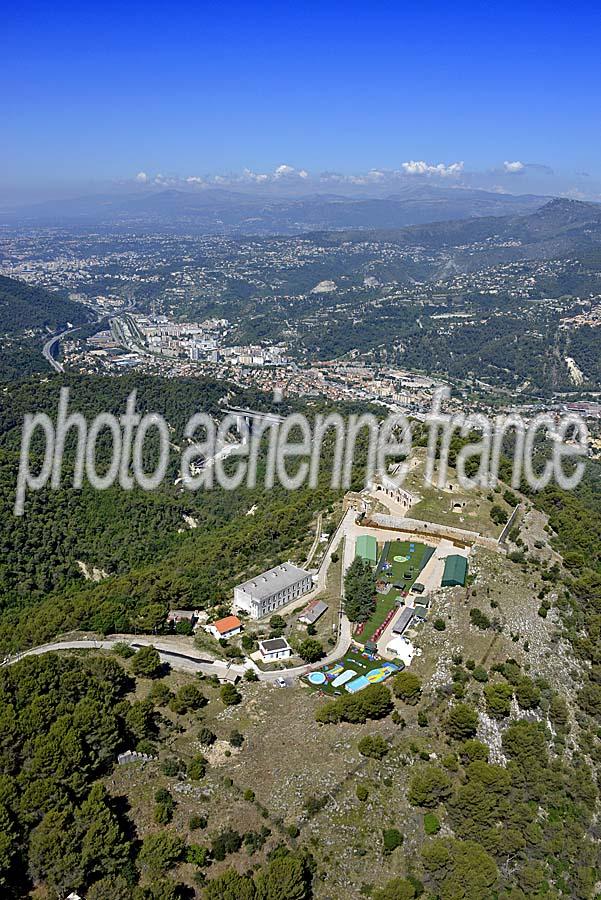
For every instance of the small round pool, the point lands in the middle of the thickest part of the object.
(316, 677)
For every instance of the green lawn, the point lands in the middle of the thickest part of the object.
(386, 602)
(353, 659)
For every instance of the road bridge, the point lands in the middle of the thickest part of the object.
(248, 419)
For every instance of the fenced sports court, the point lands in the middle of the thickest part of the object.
(397, 571)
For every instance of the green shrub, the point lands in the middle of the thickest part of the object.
(392, 838)
(229, 695)
(374, 702)
(407, 687)
(480, 674)
(197, 768)
(123, 649)
(206, 736)
(362, 793)
(431, 824)
(197, 855)
(373, 745)
(479, 619)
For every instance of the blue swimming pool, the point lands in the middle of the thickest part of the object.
(357, 685)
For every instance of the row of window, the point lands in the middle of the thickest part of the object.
(282, 597)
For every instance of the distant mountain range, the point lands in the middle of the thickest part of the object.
(558, 228)
(214, 211)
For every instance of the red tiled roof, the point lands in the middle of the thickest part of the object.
(227, 624)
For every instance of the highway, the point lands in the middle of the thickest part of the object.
(47, 349)
(55, 339)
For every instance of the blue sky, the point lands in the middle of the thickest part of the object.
(98, 94)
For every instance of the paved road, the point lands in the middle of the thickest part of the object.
(47, 349)
(173, 651)
(315, 543)
(177, 659)
(189, 661)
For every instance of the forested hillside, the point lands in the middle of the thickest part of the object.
(140, 539)
(23, 306)
(555, 228)
(63, 722)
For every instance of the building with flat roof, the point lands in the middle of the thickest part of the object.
(455, 571)
(367, 548)
(264, 594)
(174, 616)
(404, 620)
(274, 648)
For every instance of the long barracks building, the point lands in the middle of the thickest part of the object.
(264, 594)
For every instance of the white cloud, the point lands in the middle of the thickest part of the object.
(195, 179)
(166, 180)
(371, 177)
(284, 171)
(141, 177)
(258, 177)
(513, 167)
(419, 167)
(280, 172)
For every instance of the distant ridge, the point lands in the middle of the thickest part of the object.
(218, 211)
(564, 223)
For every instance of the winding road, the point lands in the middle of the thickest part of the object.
(173, 650)
(177, 659)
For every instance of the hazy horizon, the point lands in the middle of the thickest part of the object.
(342, 100)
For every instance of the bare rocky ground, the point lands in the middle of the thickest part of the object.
(288, 758)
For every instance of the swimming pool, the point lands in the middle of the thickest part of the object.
(342, 679)
(357, 685)
(382, 673)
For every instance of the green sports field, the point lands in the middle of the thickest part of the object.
(400, 572)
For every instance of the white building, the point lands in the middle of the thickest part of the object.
(264, 594)
(225, 628)
(274, 648)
